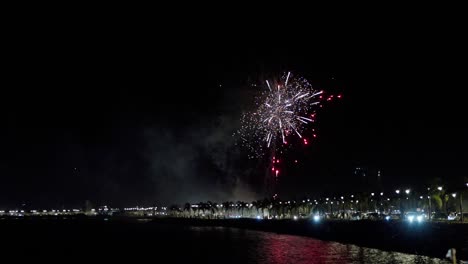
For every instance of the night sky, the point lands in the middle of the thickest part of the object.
(125, 116)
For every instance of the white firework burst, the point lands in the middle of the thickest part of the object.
(284, 109)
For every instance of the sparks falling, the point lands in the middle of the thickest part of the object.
(285, 109)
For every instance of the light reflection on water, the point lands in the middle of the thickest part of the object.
(263, 247)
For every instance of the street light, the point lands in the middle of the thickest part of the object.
(381, 194)
(407, 191)
(439, 188)
(397, 191)
(454, 195)
(372, 194)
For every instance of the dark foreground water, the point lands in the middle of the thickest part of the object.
(157, 243)
(261, 247)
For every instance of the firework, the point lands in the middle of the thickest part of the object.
(284, 109)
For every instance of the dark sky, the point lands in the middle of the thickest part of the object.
(130, 114)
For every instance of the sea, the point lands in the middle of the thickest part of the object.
(146, 242)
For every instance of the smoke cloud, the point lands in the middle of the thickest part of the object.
(202, 163)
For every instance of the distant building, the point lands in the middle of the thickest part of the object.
(369, 179)
(360, 171)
